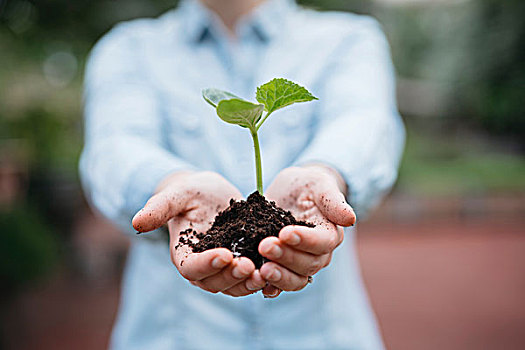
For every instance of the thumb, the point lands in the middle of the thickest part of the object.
(158, 211)
(332, 204)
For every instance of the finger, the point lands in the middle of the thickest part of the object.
(332, 204)
(319, 240)
(282, 278)
(255, 282)
(300, 262)
(197, 266)
(239, 270)
(158, 211)
(251, 285)
(271, 291)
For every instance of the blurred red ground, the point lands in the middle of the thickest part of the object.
(440, 281)
(451, 286)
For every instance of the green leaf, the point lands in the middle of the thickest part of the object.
(214, 96)
(279, 93)
(240, 112)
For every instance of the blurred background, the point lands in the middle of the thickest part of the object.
(443, 257)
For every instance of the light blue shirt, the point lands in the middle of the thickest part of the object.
(145, 118)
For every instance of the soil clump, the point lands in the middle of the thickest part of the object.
(241, 227)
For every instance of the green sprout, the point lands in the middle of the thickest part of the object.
(274, 95)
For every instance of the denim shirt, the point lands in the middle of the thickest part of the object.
(145, 118)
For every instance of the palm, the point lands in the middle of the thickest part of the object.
(312, 195)
(192, 200)
(199, 215)
(300, 197)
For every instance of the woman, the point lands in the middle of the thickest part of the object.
(149, 135)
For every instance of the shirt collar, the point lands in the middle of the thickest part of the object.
(265, 22)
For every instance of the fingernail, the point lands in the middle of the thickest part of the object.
(293, 239)
(237, 273)
(250, 286)
(275, 276)
(275, 252)
(218, 263)
(273, 295)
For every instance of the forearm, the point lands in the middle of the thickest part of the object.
(360, 133)
(365, 149)
(173, 177)
(121, 173)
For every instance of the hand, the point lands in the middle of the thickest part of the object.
(312, 194)
(193, 199)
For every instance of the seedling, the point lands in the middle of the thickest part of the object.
(274, 95)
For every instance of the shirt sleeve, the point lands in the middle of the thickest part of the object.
(124, 156)
(360, 132)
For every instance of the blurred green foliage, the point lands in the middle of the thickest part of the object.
(473, 51)
(495, 90)
(29, 247)
(438, 165)
(47, 137)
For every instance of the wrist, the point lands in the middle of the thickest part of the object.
(333, 173)
(176, 177)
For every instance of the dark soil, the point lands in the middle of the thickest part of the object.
(241, 227)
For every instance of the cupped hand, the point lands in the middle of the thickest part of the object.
(192, 200)
(313, 194)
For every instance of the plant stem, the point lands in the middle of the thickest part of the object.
(258, 165)
(262, 121)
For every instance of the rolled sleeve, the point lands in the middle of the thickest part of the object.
(360, 132)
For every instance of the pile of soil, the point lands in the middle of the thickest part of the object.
(241, 227)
